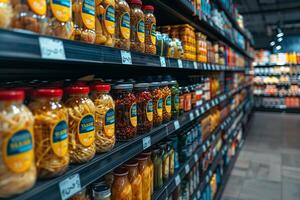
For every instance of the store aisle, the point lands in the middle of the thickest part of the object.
(268, 166)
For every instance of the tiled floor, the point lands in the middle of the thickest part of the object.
(268, 167)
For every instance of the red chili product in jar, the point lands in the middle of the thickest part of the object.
(187, 100)
(167, 103)
(193, 95)
(157, 100)
(126, 111)
(145, 107)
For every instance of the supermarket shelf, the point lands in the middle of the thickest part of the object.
(104, 163)
(275, 65)
(277, 84)
(275, 95)
(278, 109)
(276, 74)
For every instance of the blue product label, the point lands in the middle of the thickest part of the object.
(86, 124)
(168, 104)
(149, 112)
(176, 102)
(60, 132)
(65, 3)
(88, 7)
(125, 25)
(20, 142)
(109, 123)
(133, 115)
(141, 31)
(110, 14)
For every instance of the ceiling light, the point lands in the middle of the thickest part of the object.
(278, 47)
(280, 39)
(272, 43)
(280, 35)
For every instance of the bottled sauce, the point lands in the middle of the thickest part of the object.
(84, 20)
(122, 25)
(6, 13)
(167, 101)
(104, 117)
(145, 107)
(105, 22)
(157, 100)
(81, 111)
(17, 168)
(171, 158)
(30, 15)
(157, 164)
(135, 179)
(126, 111)
(50, 132)
(101, 192)
(174, 99)
(165, 162)
(187, 105)
(137, 31)
(59, 15)
(121, 187)
(150, 30)
(145, 173)
(151, 167)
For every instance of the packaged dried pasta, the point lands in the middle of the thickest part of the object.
(104, 117)
(150, 30)
(122, 25)
(84, 20)
(105, 22)
(50, 132)
(17, 168)
(59, 14)
(81, 111)
(30, 15)
(6, 13)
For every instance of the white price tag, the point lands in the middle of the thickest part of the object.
(192, 117)
(69, 186)
(52, 48)
(180, 63)
(207, 106)
(213, 103)
(210, 173)
(204, 66)
(207, 179)
(208, 66)
(213, 67)
(163, 61)
(198, 194)
(203, 148)
(202, 109)
(197, 113)
(213, 137)
(146, 142)
(196, 157)
(126, 57)
(215, 152)
(187, 169)
(177, 180)
(176, 125)
(194, 198)
(195, 65)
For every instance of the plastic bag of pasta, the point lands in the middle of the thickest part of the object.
(81, 112)
(50, 132)
(105, 117)
(17, 169)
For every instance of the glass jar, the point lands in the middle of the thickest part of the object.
(181, 100)
(81, 111)
(145, 108)
(192, 90)
(126, 111)
(167, 101)
(59, 15)
(171, 158)
(105, 22)
(80, 195)
(157, 164)
(50, 132)
(150, 30)
(122, 25)
(137, 31)
(84, 20)
(187, 99)
(174, 140)
(135, 179)
(165, 162)
(17, 168)
(151, 167)
(6, 13)
(157, 100)
(104, 117)
(101, 192)
(121, 188)
(145, 173)
(30, 15)
(174, 99)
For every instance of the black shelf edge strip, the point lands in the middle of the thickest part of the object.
(271, 95)
(274, 65)
(277, 109)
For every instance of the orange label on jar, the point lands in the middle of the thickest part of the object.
(18, 151)
(88, 13)
(168, 104)
(109, 19)
(109, 123)
(153, 34)
(160, 107)
(125, 25)
(141, 31)
(149, 111)
(61, 9)
(38, 6)
(86, 130)
(59, 138)
(133, 115)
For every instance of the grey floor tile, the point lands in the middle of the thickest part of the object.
(234, 186)
(290, 189)
(291, 160)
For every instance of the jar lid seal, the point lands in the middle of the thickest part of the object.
(7, 95)
(48, 92)
(77, 89)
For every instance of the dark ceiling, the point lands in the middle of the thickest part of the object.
(262, 17)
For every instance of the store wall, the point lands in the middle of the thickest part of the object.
(290, 44)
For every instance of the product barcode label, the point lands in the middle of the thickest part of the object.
(52, 48)
(187, 169)
(196, 157)
(126, 57)
(177, 180)
(197, 113)
(204, 148)
(195, 65)
(176, 125)
(146, 142)
(180, 63)
(69, 186)
(163, 61)
(192, 117)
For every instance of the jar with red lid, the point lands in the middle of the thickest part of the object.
(150, 30)
(50, 132)
(126, 111)
(17, 167)
(144, 107)
(167, 101)
(81, 111)
(157, 100)
(104, 117)
(121, 187)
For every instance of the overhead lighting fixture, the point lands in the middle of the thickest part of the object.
(272, 43)
(279, 33)
(280, 39)
(278, 47)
